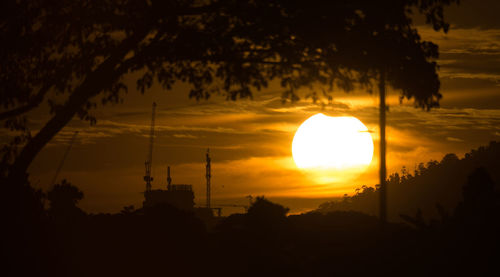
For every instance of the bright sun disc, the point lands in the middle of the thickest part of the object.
(333, 145)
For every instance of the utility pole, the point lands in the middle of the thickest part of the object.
(382, 169)
(149, 160)
(208, 176)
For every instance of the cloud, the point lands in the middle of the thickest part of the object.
(250, 140)
(467, 53)
(184, 136)
(474, 14)
(454, 139)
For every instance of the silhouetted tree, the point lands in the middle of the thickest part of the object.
(263, 208)
(128, 210)
(436, 182)
(449, 158)
(479, 189)
(262, 215)
(467, 241)
(83, 50)
(267, 219)
(63, 199)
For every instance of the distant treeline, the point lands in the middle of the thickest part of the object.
(431, 189)
(47, 234)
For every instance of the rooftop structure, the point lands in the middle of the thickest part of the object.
(180, 196)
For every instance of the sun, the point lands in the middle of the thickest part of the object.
(332, 148)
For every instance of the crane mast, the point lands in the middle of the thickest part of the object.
(149, 160)
(58, 170)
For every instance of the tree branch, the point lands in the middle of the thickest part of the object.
(110, 70)
(35, 101)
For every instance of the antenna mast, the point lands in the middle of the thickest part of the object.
(208, 175)
(149, 160)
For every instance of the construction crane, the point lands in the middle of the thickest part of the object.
(58, 170)
(208, 176)
(246, 207)
(149, 160)
(234, 206)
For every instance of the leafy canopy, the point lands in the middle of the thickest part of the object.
(83, 49)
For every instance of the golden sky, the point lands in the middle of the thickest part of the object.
(250, 140)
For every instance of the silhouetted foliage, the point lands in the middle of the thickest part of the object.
(127, 210)
(430, 184)
(83, 50)
(265, 211)
(63, 199)
(468, 238)
(479, 189)
(162, 240)
(23, 239)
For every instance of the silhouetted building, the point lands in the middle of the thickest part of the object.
(180, 196)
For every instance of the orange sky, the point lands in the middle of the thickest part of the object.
(250, 140)
(250, 143)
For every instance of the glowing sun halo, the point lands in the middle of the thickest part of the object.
(331, 147)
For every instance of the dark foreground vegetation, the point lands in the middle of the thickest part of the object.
(432, 190)
(62, 240)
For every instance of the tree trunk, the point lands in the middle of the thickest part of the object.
(382, 169)
(107, 73)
